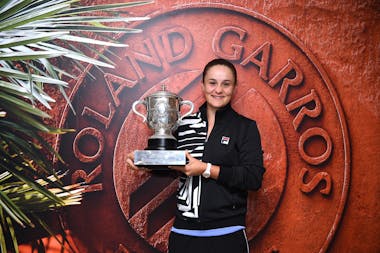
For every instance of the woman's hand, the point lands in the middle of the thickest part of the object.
(194, 167)
(130, 162)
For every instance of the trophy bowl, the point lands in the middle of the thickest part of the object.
(163, 117)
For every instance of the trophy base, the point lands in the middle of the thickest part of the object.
(159, 159)
(160, 153)
(162, 144)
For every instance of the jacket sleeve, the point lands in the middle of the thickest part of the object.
(248, 173)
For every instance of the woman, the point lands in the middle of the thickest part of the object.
(224, 161)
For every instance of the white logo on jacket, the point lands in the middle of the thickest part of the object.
(225, 140)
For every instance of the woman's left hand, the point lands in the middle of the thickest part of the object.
(194, 167)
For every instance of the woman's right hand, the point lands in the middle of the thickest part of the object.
(130, 160)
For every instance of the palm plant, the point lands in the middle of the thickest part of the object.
(34, 36)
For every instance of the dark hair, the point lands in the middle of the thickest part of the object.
(220, 62)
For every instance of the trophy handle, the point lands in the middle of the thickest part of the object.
(135, 110)
(188, 102)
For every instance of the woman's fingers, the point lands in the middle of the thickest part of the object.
(188, 156)
(131, 163)
(177, 168)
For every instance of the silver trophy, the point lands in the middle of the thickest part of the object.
(162, 116)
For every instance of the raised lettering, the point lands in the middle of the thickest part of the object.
(289, 75)
(112, 81)
(307, 135)
(237, 50)
(304, 111)
(99, 117)
(315, 181)
(166, 37)
(261, 58)
(81, 174)
(151, 58)
(89, 132)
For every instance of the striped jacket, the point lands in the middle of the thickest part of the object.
(234, 144)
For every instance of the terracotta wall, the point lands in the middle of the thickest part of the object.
(308, 74)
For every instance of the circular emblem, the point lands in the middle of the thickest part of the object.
(280, 85)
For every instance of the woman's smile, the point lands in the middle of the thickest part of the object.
(218, 87)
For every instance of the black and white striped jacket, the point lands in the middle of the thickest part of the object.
(234, 144)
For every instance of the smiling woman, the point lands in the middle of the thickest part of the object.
(225, 161)
(212, 195)
(218, 86)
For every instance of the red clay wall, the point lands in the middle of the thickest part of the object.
(308, 74)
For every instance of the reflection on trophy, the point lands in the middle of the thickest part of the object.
(163, 117)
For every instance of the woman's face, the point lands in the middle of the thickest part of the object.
(218, 86)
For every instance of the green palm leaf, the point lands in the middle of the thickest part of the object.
(34, 34)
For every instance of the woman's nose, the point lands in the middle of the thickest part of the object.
(218, 88)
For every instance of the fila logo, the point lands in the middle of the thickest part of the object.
(225, 140)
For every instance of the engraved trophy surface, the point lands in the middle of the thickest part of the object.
(162, 116)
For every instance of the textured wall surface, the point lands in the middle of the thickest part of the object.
(336, 47)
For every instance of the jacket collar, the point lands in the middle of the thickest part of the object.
(220, 114)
